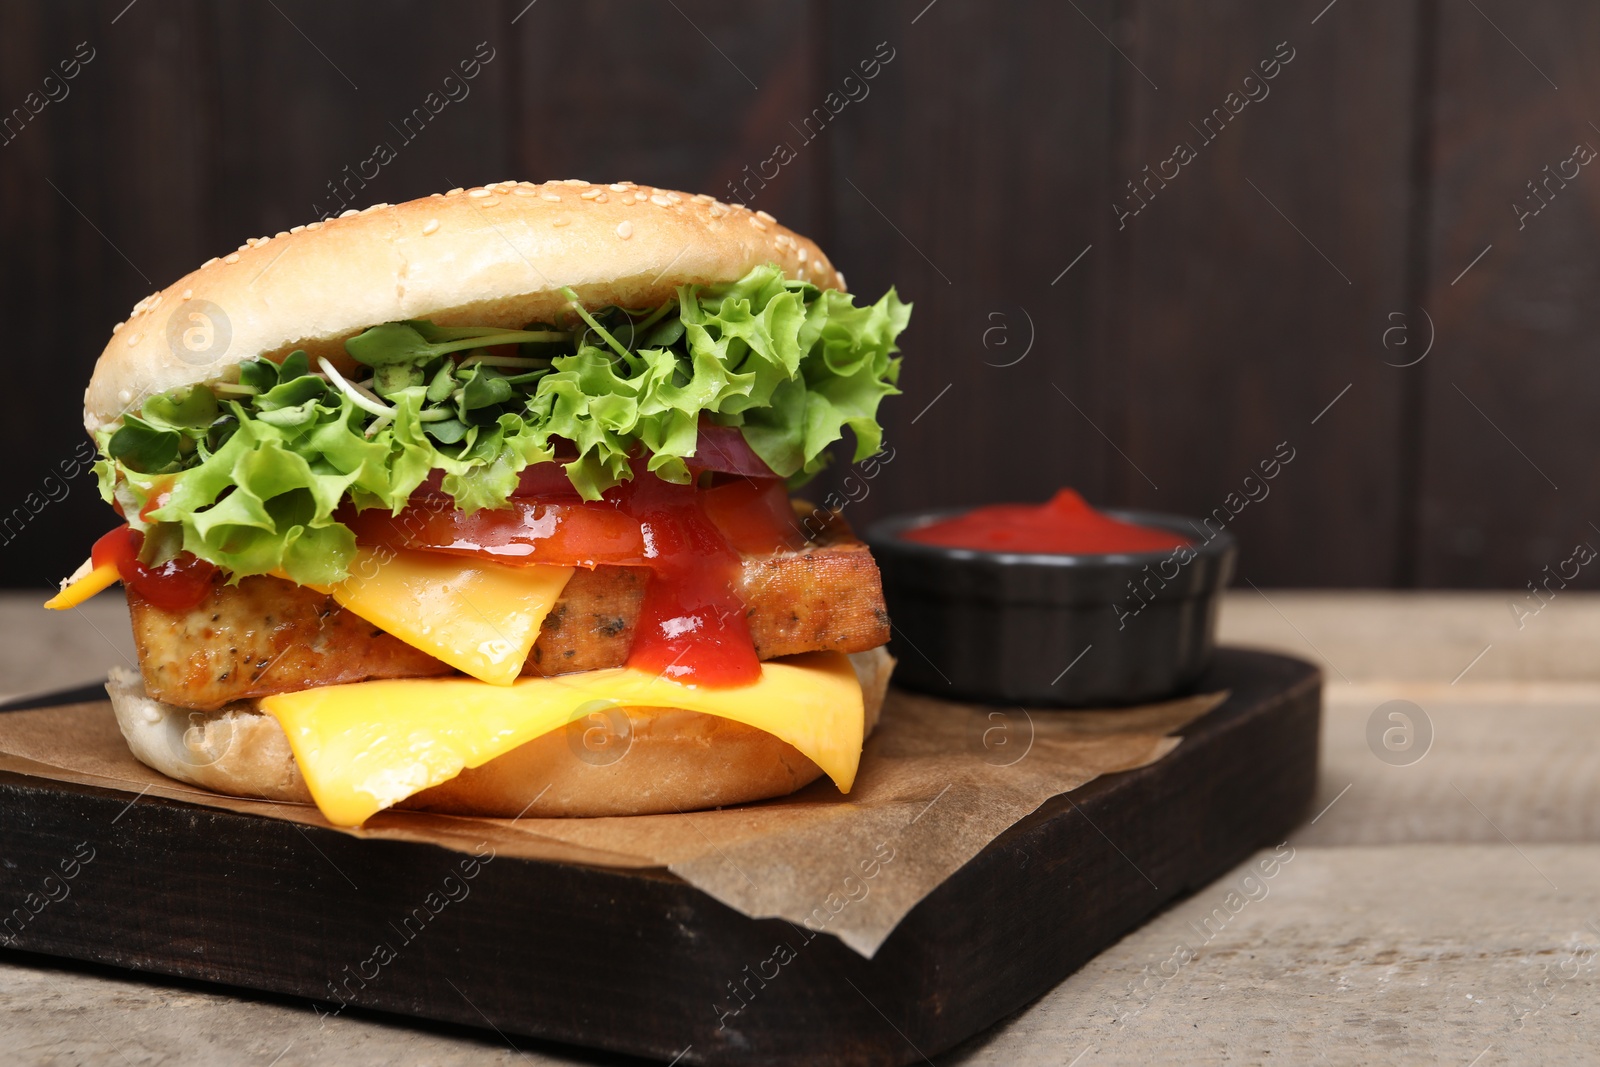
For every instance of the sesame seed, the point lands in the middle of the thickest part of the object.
(589, 194)
(674, 198)
(741, 207)
(281, 233)
(134, 339)
(554, 198)
(261, 241)
(562, 221)
(432, 224)
(624, 229)
(839, 274)
(660, 201)
(757, 223)
(602, 198)
(617, 187)
(251, 243)
(297, 229)
(456, 191)
(767, 217)
(186, 294)
(155, 301)
(717, 210)
(480, 192)
(208, 262)
(702, 198)
(574, 181)
(124, 395)
(816, 265)
(118, 326)
(231, 257)
(347, 214)
(314, 225)
(374, 207)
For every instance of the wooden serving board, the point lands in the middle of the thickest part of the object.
(639, 961)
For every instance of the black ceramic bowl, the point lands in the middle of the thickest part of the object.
(1068, 630)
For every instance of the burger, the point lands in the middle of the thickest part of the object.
(478, 504)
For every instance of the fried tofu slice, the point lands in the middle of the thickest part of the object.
(266, 635)
(262, 636)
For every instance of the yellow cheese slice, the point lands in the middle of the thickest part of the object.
(365, 746)
(85, 583)
(480, 617)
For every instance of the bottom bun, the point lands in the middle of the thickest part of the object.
(627, 761)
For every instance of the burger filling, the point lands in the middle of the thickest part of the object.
(637, 459)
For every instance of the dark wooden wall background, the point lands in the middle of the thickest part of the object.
(1175, 355)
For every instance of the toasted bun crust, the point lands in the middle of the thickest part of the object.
(665, 761)
(497, 255)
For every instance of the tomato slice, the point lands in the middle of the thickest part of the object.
(562, 530)
(754, 515)
(161, 491)
(579, 534)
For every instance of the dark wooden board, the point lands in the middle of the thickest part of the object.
(639, 961)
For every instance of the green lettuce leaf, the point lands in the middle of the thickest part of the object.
(248, 473)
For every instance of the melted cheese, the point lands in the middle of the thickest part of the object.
(85, 583)
(480, 617)
(366, 746)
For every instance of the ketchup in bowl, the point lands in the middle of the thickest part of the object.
(1052, 604)
(1064, 525)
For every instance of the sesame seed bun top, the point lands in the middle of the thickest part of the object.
(497, 255)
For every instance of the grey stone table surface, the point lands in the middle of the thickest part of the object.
(1437, 910)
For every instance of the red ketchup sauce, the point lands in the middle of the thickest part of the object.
(692, 626)
(1063, 525)
(179, 584)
